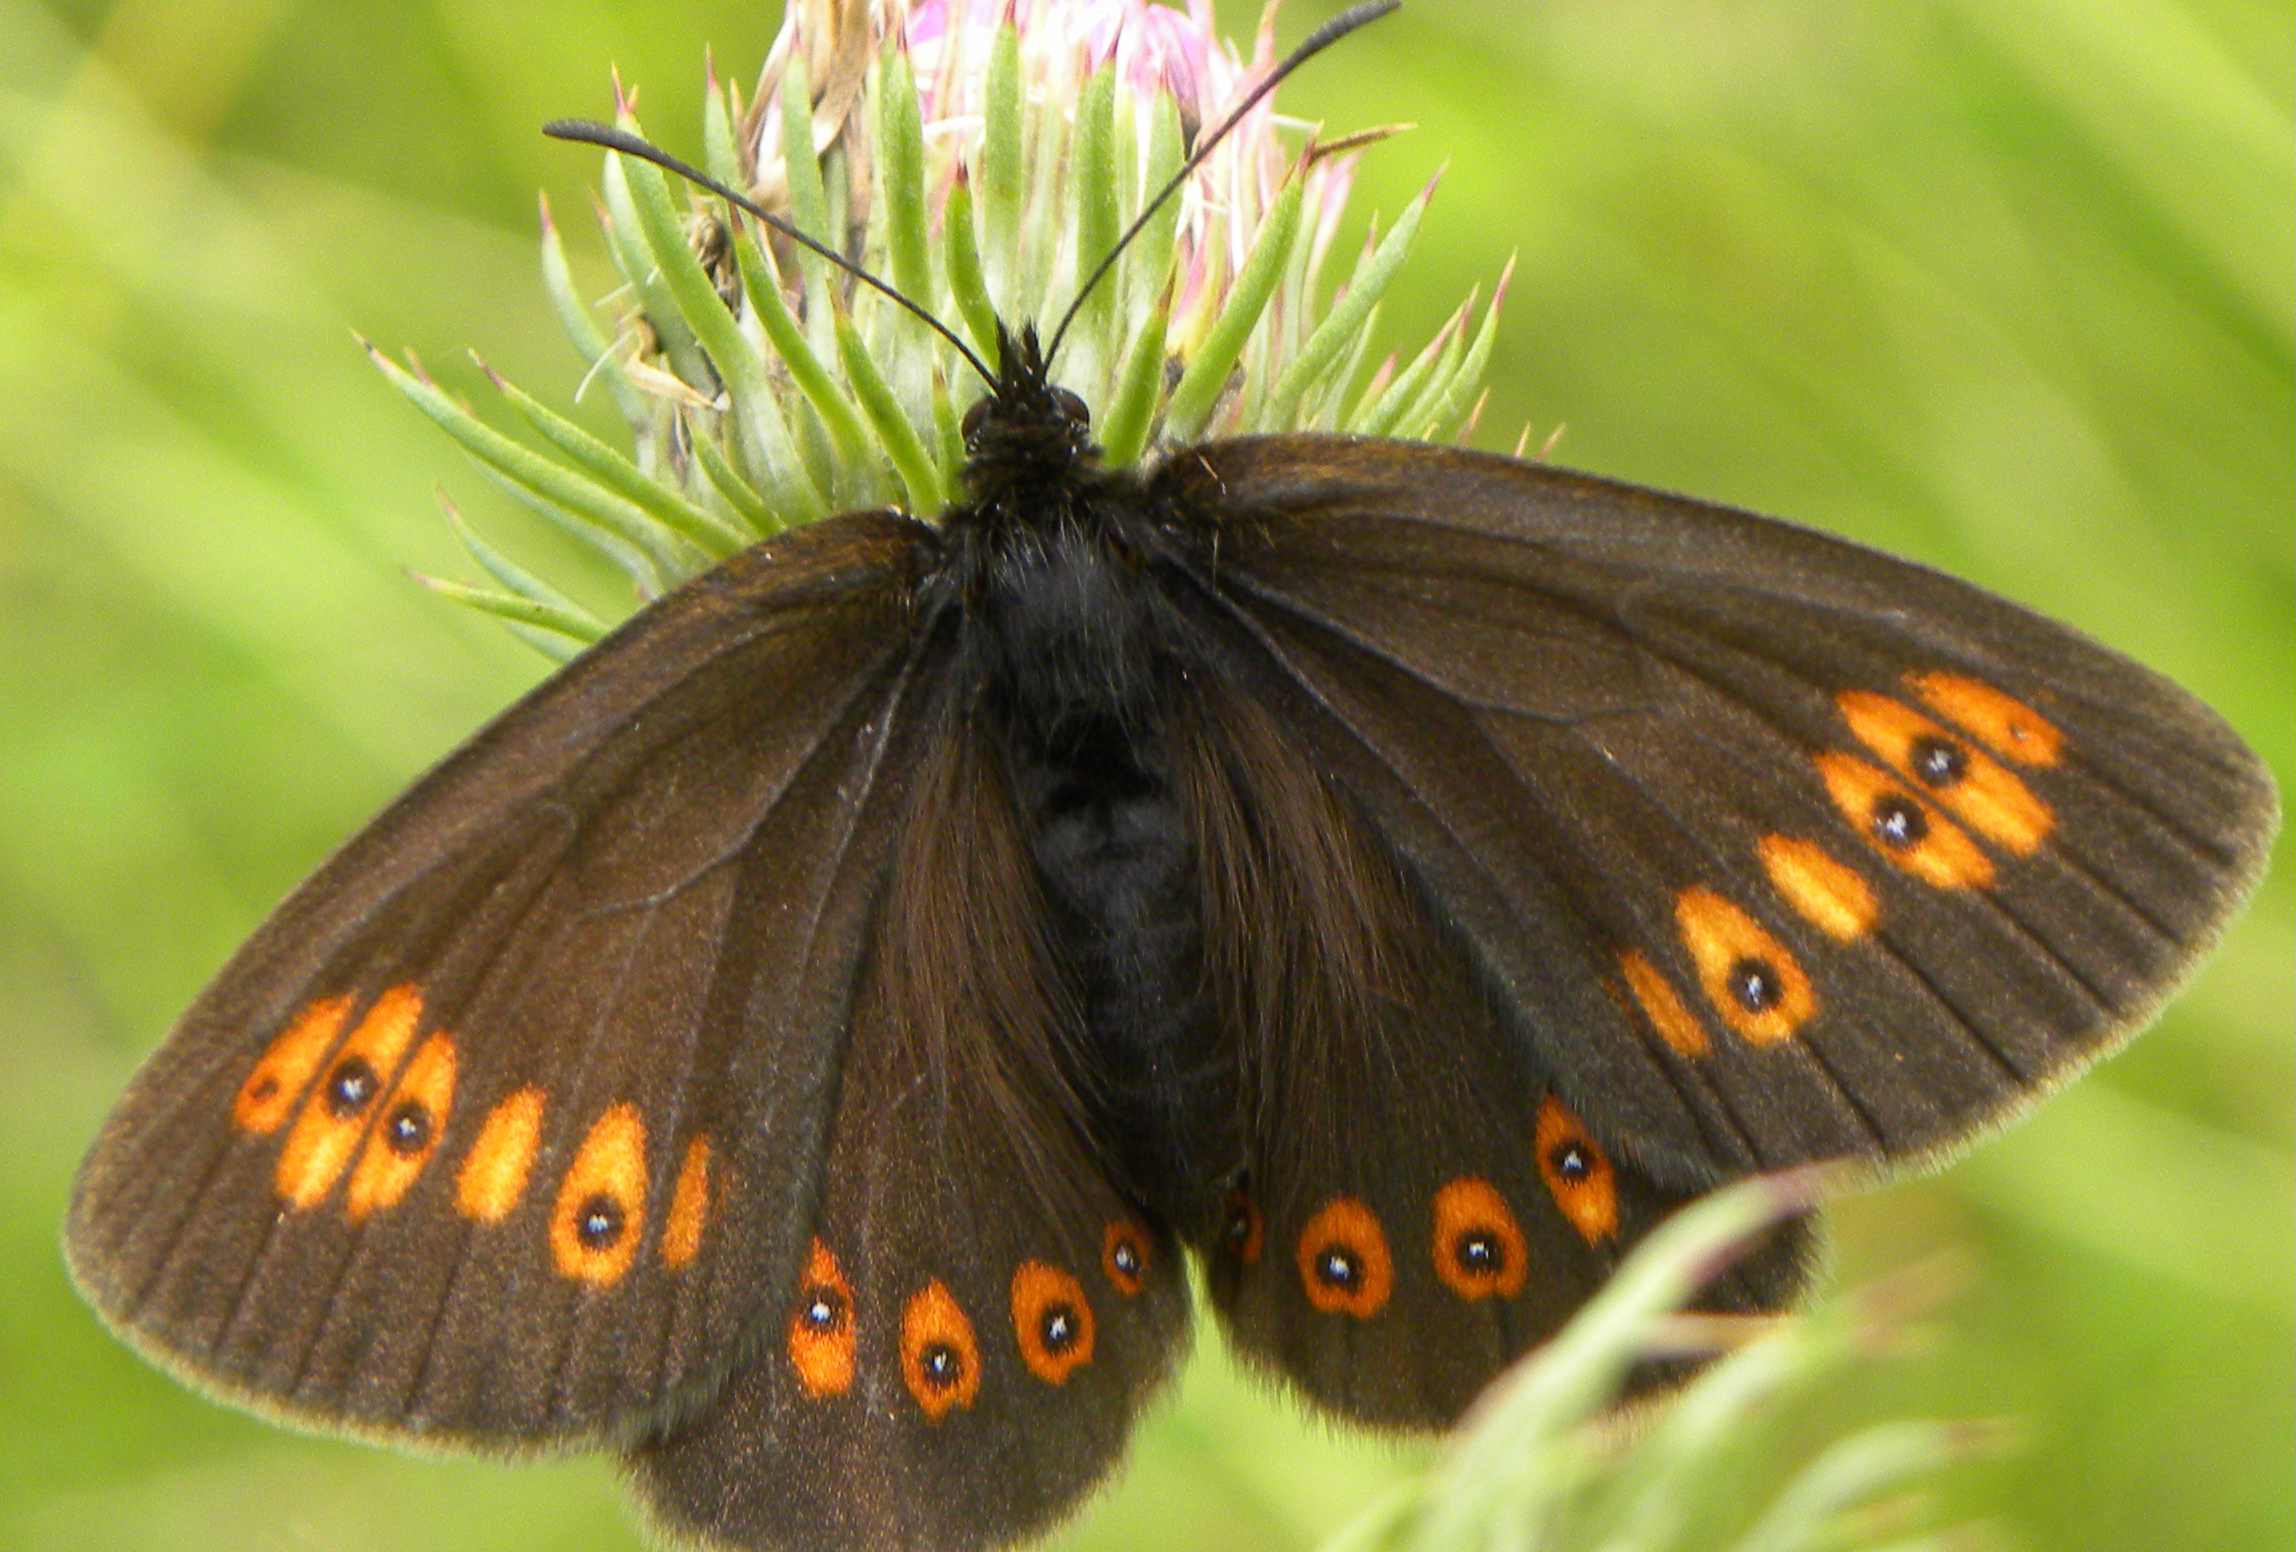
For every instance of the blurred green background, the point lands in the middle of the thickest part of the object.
(2002, 284)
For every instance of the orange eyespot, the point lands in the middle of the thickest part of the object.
(821, 1327)
(1749, 977)
(689, 1207)
(1124, 1256)
(340, 1108)
(1343, 1261)
(494, 1172)
(1245, 1231)
(414, 1118)
(601, 1211)
(2004, 724)
(940, 1361)
(1675, 1023)
(269, 1094)
(1825, 893)
(1902, 826)
(1479, 1249)
(1577, 1172)
(1052, 1321)
(1969, 784)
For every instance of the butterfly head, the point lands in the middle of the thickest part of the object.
(1029, 434)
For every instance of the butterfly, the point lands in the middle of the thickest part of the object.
(803, 1044)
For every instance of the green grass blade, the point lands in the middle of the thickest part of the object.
(509, 606)
(527, 469)
(1325, 414)
(514, 578)
(902, 444)
(1347, 324)
(1148, 262)
(1445, 402)
(808, 201)
(610, 469)
(626, 241)
(739, 365)
(968, 281)
(1859, 1469)
(721, 159)
(649, 578)
(849, 438)
(901, 175)
(726, 480)
(1386, 407)
(1206, 375)
(948, 432)
(1690, 1438)
(1001, 172)
(589, 341)
(558, 649)
(1124, 430)
(1095, 183)
(1580, 1370)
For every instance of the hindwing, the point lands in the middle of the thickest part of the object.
(981, 1314)
(1423, 1202)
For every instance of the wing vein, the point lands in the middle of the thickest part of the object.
(2200, 845)
(1698, 1115)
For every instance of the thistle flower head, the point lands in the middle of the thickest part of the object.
(982, 157)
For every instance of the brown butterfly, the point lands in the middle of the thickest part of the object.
(800, 1044)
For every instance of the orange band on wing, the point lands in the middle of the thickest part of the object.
(601, 1211)
(1577, 1172)
(1052, 1321)
(1479, 1247)
(340, 1107)
(1827, 894)
(494, 1172)
(1971, 785)
(1893, 820)
(2009, 727)
(1124, 1256)
(821, 1328)
(268, 1096)
(940, 1361)
(1749, 977)
(689, 1206)
(414, 1118)
(1675, 1023)
(1344, 1265)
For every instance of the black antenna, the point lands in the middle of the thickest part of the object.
(1316, 42)
(613, 139)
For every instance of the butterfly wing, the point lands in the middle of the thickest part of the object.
(1421, 1205)
(1772, 848)
(503, 1127)
(980, 1315)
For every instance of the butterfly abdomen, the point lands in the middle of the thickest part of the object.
(1117, 858)
(1075, 670)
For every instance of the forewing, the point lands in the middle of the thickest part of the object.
(505, 1126)
(1773, 848)
(979, 1315)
